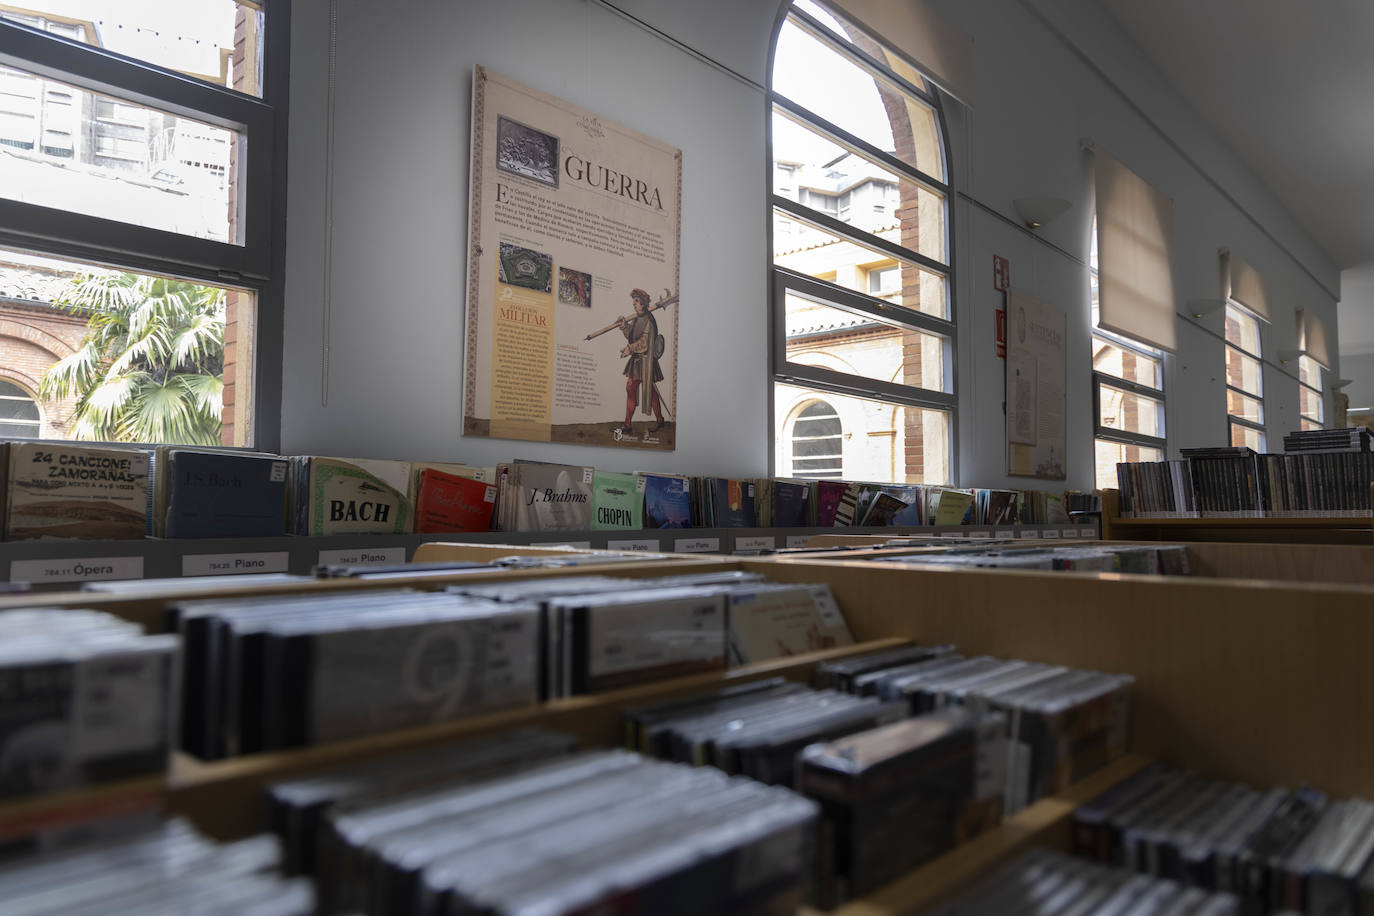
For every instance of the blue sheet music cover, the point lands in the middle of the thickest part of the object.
(212, 495)
(667, 502)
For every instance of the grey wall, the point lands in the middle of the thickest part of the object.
(1042, 82)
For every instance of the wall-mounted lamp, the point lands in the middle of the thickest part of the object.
(1037, 211)
(1336, 384)
(1288, 356)
(1200, 307)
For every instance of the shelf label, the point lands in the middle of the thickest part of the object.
(1030, 534)
(696, 545)
(91, 569)
(647, 546)
(979, 534)
(1072, 533)
(580, 545)
(1049, 533)
(233, 564)
(756, 542)
(363, 556)
(1006, 532)
(798, 540)
(951, 534)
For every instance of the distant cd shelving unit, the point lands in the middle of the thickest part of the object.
(1315, 529)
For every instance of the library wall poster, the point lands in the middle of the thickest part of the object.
(1036, 372)
(572, 274)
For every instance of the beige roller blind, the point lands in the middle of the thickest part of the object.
(1312, 337)
(1135, 254)
(1244, 285)
(933, 44)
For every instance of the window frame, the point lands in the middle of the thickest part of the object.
(1231, 419)
(258, 264)
(782, 280)
(1100, 378)
(1318, 422)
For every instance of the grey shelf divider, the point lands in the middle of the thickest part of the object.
(72, 561)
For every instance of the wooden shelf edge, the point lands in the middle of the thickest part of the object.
(204, 789)
(1036, 825)
(33, 813)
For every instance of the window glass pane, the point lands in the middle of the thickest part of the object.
(817, 253)
(1245, 436)
(1243, 330)
(219, 41)
(1310, 372)
(118, 161)
(190, 382)
(816, 76)
(1243, 372)
(1310, 403)
(1130, 412)
(1244, 406)
(881, 442)
(859, 344)
(1126, 364)
(1110, 454)
(817, 442)
(822, 175)
(841, 28)
(1307, 424)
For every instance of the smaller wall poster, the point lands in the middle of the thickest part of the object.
(1037, 361)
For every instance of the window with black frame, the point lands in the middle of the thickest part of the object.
(1311, 406)
(1128, 393)
(862, 285)
(1244, 379)
(142, 176)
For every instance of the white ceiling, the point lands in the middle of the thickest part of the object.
(1288, 85)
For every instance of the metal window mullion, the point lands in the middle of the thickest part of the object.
(1249, 424)
(103, 71)
(887, 312)
(1121, 384)
(805, 117)
(1121, 437)
(876, 68)
(860, 237)
(867, 389)
(48, 230)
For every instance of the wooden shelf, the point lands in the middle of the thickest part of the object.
(1045, 823)
(32, 814)
(224, 797)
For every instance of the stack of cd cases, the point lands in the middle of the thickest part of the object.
(1061, 723)
(754, 729)
(1275, 850)
(272, 672)
(603, 632)
(600, 831)
(163, 869)
(1045, 882)
(296, 807)
(85, 697)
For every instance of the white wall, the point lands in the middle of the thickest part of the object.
(403, 109)
(400, 190)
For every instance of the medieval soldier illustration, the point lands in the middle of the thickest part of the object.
(643, 347)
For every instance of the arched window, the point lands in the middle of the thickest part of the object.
(1128, 393)
(19, 417)
(860, 231)
(817, 442)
